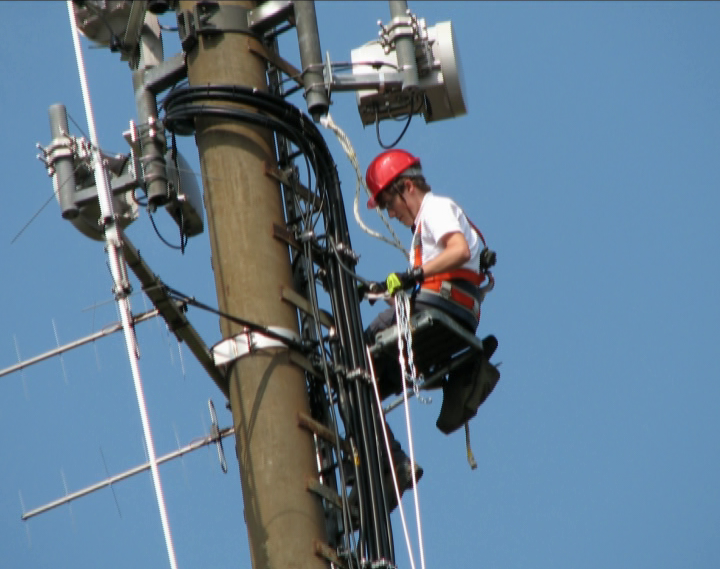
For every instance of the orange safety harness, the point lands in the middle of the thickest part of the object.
(441, 284)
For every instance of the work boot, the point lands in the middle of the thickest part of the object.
(485, 377)
(456, 390)
(467, 388)
(489, 344)
(353, 501)
(404, 479)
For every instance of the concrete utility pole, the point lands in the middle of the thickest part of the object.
(266, 391)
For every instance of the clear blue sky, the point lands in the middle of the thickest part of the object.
(590, 159)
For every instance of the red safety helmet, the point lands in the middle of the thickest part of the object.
(385, 168)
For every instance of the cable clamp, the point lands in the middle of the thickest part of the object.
(305, 236)
(347, 252)
(61, 147)
(122, 290)
(379, 564)
(248, 342)
(359, 373)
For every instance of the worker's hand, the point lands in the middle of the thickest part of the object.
(487, 259)
(366, 287)
(398, 281)
(371, 291)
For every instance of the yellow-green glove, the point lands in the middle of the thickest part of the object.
(408, 279)
(393, 283)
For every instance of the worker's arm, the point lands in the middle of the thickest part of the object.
(455, 254)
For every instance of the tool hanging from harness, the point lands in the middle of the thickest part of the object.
(460, 286)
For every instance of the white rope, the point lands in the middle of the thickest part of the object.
(402, 313)
(390, 459)
(328, 122)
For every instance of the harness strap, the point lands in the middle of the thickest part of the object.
(476, 231)
(464, 274)
(440, 282)
(450, 292)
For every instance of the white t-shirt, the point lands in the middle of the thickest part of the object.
(439, 216)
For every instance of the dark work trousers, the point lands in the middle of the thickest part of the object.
(387, 367)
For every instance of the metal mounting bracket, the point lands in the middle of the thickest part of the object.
(269, 14)
(208, 18)
(399, 26)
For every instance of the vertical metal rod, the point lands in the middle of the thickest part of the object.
(113, 241)
(152, 141)
(405, 47)
(311, 58)
(64, 169)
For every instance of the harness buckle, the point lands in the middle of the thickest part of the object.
(445, 290)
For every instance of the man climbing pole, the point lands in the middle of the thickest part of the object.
(448, 263)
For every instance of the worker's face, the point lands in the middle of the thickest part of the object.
(397, 207)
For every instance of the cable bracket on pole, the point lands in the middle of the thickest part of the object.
(359, 373)
(347, 252)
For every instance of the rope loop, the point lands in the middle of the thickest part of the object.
(328, 122)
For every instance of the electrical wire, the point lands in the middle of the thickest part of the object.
(412, 112)
(43, 206)
(253, 326)
(398, 139)
(282, 118)
(347, 522)
(136, 200)
(328, 122)
(181, 107)
(180, 247)
(72, 120)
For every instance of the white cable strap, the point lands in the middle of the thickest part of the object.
(328, 122)
(249, 341)
(390, 459)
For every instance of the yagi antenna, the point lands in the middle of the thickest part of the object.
(216, 436)
(111, 329)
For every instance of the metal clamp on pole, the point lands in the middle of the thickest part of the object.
(60, 163)
(402, 34)
(248, 341)
(211, 18)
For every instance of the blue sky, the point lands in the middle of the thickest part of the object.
(588, 158)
